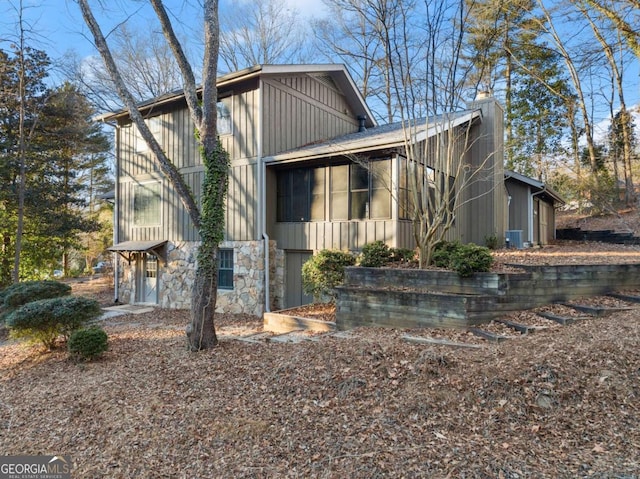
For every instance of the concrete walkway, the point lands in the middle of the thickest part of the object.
(113, 311)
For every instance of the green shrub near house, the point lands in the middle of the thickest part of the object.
(88, 343)
(45, 320)
(377, 254)
(465, 259)
(323, 272)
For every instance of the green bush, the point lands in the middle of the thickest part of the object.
(443, 252)
(472, 258)
(375, 255)
(324, 271)
(46, 319)
(491, 241)
(464, 259)
(88, 344)
(19, 294)
(378, 254)
(402, 255)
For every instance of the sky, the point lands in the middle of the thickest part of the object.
(57, 27)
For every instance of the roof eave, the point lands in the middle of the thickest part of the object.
(338, 71)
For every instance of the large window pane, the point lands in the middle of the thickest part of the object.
(300, 194)
(359, 182)
(317, 194)
(146, 204)
(340, 192)
(380, 202)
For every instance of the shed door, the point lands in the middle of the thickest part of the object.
(546, 233)
(294, 295)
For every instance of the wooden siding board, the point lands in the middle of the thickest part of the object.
(299, 114)
(343, 235)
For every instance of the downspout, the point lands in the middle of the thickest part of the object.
(116, 214)
(262, 197)
(116, 223)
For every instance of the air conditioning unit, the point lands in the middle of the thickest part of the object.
(513, 239)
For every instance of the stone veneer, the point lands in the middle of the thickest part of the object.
(176, 278)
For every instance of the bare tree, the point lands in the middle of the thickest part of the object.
(210, 219)
(144, 60)
(615, 11)
(431, 83)
(616, 67)
(353, 31)
(261, 32)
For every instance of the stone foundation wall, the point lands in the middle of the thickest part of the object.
(176, 278)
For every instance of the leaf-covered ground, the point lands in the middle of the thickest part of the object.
(563, 402)
(558, 403)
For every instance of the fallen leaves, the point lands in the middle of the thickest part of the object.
(559, 403)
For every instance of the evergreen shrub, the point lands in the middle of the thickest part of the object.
(375, 255)
(464, 259)
(19, 294)
(87, 344)
(324, 271)
(46, 319)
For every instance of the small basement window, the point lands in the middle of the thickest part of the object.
(225, 268)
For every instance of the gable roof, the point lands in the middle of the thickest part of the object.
(539, 186)
(337, 72)
(380, 137)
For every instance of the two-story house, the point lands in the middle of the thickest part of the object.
(292, 133)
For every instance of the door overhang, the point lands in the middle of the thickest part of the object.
(127, 249)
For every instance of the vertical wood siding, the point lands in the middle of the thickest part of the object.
(176, 134)
(340, 235)
(519, 208)
(487, 213)
(302, 110)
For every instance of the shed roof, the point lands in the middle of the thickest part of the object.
(537, 184)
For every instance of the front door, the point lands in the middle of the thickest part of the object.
(147, 291)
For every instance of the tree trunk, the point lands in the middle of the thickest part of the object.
(201, 333)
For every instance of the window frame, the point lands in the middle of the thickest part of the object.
(224, 267)
(138, 187)
(353, 188)
(227, 103)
